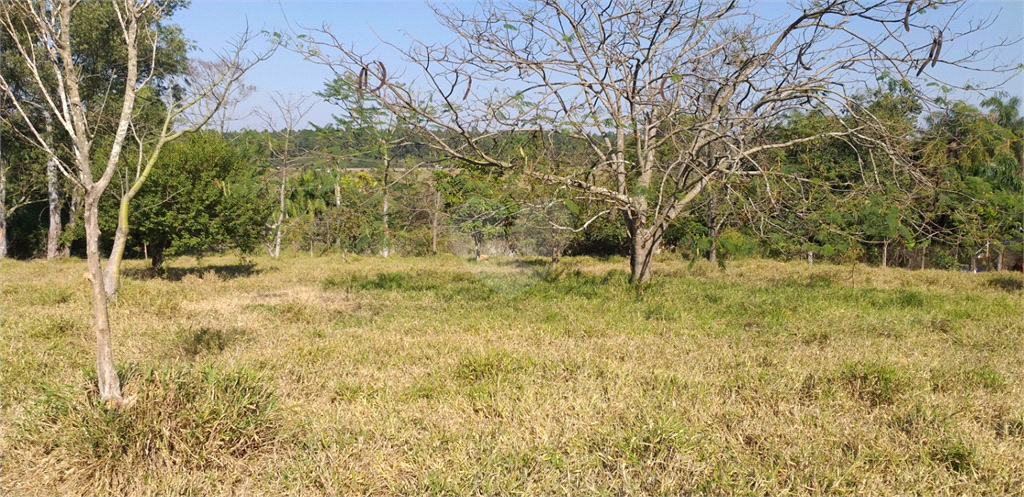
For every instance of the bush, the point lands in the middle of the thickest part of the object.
(944, 260)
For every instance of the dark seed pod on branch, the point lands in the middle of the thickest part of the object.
(938, 48)
(361, 82)
(383, 76)
(906, 18)
(469, 86)
(931, 53)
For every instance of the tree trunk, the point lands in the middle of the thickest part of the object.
(641, 256)
(713, 226)
(158, 255)
(3, 209)
(53, 250)
(810, 258)
(337, 201)
(280, 216)
(74, 206)
(112, 276)
(435, 221)
(999, 260)
(109, 384)
(386, 249)
(885, 253)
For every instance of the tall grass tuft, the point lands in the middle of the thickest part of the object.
(192, 418)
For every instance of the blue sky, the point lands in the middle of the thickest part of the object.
(211, 24)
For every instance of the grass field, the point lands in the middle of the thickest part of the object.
(441, 376)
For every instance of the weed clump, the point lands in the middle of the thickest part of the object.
(956, 455)
(877, 383)
(192, 343)
(493, 364)
(178, 419)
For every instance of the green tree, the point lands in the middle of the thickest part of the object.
(980, 196)
(202, 196)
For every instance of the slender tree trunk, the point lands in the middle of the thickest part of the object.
(337, 201)
(280, 215)
(386, 249)
(885, 253)
(713, 226)
(3, 209)
(109, 384)
(435, 220)
(74, 207)
(53, 197)
(112, 276)
(810, 258)
(53, 249)
(999, 260)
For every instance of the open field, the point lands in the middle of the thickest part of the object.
(441, 376)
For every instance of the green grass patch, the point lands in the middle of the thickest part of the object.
(874, 382)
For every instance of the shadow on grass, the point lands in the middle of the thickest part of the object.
(1008, 283)
(227, 272)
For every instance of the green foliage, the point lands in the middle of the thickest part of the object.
(202, 196)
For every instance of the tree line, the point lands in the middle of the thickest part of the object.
(365, 189)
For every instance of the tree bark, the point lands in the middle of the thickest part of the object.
(435, 220)
(3, 209)
(112, 276)
(53, 249)
(641, 256)
(280, 215)
(337, 200)
(109, 384)
(885, 253)
(386, 249)
(74, 207)
(53, 197)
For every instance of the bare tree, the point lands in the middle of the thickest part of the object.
(291, 110)
(221, 107)
(670, 96)
(40, 36)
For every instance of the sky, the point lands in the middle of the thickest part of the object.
(212, 24)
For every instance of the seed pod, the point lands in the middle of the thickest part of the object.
(938, 48)
(361, 82)
(383, 76)
(931, 52)
(906, 18)
(469, 85)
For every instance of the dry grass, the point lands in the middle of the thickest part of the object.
(446, 376)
